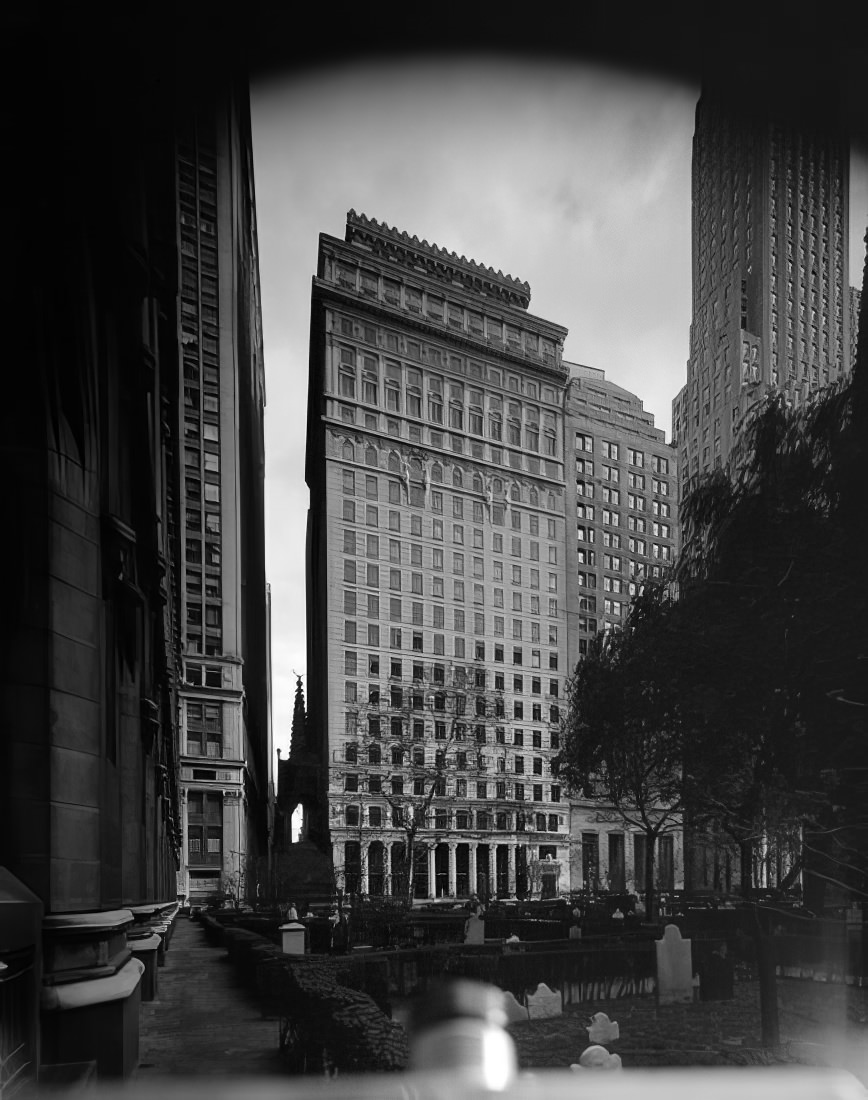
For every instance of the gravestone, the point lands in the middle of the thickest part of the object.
(597, 1057)
(544, 1003)
(674, 968)
(514, 1011)
(474, 930)
(603, 1030)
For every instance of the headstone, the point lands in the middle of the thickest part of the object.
(597, 1057)
(474, 930)
(292, 938)
(514, 1011)
(674, 968)
(602, 1029)
(544, 1003)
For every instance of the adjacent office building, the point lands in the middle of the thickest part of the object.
(225, 748)
(437, 585)
(621, 500)
(772, 310)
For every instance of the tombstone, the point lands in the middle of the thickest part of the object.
(597, 1057)
(544, 1003)
(674, 968)
(515, 1013)
(474, 930)
(603, 1030)
(292, 938)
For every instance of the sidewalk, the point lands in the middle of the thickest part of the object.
(204, 1021)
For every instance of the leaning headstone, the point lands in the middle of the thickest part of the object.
(514, 1011)
(474, 930)
(544, 1003)
(674, 968)
(602, 1029)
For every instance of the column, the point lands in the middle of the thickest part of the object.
(678, 857)
(453, 885)
(472, 867)
(432, 875)
(511, 857)
(492, 870)
(387, 869)
(363, 855)
(633, 887)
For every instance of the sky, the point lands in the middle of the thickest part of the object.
(572, 177)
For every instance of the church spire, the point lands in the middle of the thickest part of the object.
(298, 743)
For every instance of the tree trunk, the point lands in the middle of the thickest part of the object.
(745, 855)
(650, 864)
(765, 963)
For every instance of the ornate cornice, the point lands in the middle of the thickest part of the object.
(438, 262)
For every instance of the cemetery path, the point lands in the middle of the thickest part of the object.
(204, 1021)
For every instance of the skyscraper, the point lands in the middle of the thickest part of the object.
(436, 584)
(771, 305)
(224, 752)
(622, 490)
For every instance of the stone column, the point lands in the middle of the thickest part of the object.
(511, 848)
(432, 875)
(387, 868)
(363, 853)
(233, 852)
(492, 870)
(453, 885)
(472, 867)
(338, 864)
(678, 858)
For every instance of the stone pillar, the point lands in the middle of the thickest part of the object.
(453, 885)
(363, 854)
(472, 867)
(432, 873)
(678, 858)
(233, 849)
(338, 864)
(629, 868)
(492, 870)
(511, 856)
(387, 868)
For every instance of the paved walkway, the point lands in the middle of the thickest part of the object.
(204, 1021)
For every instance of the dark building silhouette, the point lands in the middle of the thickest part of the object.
(117, 505)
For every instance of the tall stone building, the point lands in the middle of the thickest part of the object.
(225, 749)
(437, 649)
(771, 303)
(621, 489)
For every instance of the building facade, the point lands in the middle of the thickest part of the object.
(622, 500)
(771, 302)
(437, 643)
(225, 738)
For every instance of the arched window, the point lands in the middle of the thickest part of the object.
(351, 754)
(394, 463)
(375, 756)
(534, 495)
(477, 482)
(457, 477)
(397, 755)
(514, 492)
(349, 452)
(370, 456)
(437, 473)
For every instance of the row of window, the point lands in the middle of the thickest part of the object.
(436, 643)
(374, 753)
(443, 820)
(612, 452)
(361, 603)
(442, 312)
(414, 474)
(460, 676)
(439, 699)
